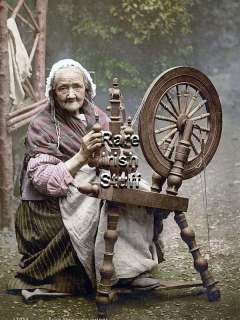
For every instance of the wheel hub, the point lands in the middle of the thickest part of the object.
(181, 121)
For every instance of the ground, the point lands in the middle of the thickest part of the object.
(215, 219)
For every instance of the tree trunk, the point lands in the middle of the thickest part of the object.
(6, 161)
(39, 81)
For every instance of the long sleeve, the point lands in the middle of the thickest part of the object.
(49, 175)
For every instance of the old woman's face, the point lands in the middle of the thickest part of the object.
(69, 89)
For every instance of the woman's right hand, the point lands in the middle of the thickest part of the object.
(91, 142)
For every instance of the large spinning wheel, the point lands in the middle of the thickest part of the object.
(179, 94)
(179, 129)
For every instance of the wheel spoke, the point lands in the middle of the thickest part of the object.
(193, 99)
(200, 128)
(186, 95)
(171, 145)
(202, 116)
(178, 98)
(168, 110)
(196, 137)
(172, 126)
(158, 117)
(194, 148)
(167, 136)
(199, 106)
(171, 103)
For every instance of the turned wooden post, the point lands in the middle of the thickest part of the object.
(104, 291)
(175, 177)
(157, 185)
(187, 234)
(104, 296)
(200, 263)
(6, 161)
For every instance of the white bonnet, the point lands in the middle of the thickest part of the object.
(67, 63)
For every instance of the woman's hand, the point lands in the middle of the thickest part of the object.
(91, 142)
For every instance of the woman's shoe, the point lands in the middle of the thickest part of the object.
(143, 282)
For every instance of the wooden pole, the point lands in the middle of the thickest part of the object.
(26, 109)
(31, 15)
(17, 8)
(23, 119)
(39, 83)
(21, 18)
(6, 161)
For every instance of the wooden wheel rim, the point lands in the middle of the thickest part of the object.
(150, 104)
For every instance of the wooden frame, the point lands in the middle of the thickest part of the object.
(11, 121)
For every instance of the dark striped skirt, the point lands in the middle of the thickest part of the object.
(49, 260)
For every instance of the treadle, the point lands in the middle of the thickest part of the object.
(170, 284)
(165, 285)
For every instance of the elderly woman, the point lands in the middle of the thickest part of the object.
(59, 230)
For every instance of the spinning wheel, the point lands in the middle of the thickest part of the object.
(179, 129)
(179, 94)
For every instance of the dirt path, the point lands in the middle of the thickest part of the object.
(223, 215)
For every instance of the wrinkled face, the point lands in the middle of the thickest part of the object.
(69, 89)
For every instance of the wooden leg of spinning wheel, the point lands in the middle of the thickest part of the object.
(200, 263)
(104, 291)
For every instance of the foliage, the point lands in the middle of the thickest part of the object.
(152, 18)
(134, 40)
